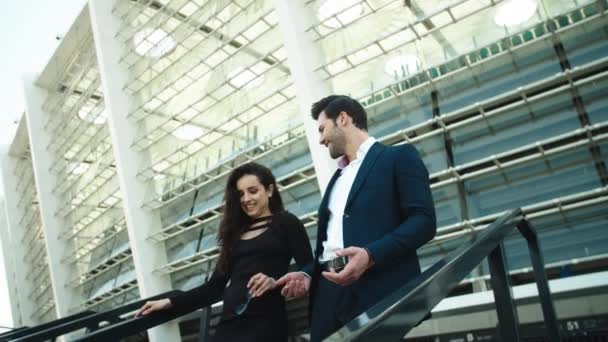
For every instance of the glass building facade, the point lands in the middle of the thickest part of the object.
(147, 106)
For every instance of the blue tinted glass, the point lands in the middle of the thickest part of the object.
(531, 183)
(586, 43)
(516, 127)
(595, 99)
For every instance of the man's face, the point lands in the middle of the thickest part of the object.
(331, 135)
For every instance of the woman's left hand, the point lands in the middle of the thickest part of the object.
(259, 284)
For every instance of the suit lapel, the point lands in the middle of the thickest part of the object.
(330, 185)
(366, 167)
(323, 208)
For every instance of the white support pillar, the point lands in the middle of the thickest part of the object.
(303, 57)
(67, 298)
(9, 266)
(18, 252)
(148, 256)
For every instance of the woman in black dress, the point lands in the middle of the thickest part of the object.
(257, 240)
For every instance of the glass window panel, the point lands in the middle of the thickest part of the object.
(563, 237)
(302, 197)
(292, 157)
(497, 75)
(515, 127)
(595, 99)
(399, 113)
(571, 172)
(447, 205)
(587, 43)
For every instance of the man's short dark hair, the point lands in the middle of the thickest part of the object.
(334, 104)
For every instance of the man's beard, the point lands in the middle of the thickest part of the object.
(336, 148)
(334, 152)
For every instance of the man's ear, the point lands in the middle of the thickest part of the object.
(343, 118)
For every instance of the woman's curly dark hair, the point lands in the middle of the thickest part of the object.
(234, 220)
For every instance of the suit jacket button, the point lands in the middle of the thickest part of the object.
(346, 216)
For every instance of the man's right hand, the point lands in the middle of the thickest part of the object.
(295, 285)
(152, 306)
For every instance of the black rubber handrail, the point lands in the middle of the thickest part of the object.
(397, 314)
(91, 322)
(19, 332)
(134, 325)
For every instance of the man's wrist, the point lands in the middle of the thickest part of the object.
(370, 258)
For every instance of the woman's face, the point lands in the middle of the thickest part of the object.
(254, 198)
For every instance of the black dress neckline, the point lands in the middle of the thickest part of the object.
(262, 226)
(260, 219)
(253, 227)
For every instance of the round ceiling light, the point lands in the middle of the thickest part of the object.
(79, 168)
(154, 43)
(241, 77)
(89, 116)
(159, 176)
(515, 12)
(188, 132)
(401, 66)
(335, 13)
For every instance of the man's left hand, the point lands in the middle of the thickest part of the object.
(358, 263)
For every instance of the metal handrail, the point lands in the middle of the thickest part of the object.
(89, 320)
(23, 331)
(129, 327)
(393, 317)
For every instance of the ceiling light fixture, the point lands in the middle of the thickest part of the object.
(154, 43)
(188, 132)
(79, 168)
(515, 12)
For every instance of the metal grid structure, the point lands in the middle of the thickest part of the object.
(87, 182)
(217, 70)
(33, 239)
(220, 79)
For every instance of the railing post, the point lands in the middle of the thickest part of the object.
(203, 332)
(505, 305)
(540, 275)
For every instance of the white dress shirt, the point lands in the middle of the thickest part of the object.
(337, 200)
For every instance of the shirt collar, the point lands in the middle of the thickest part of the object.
(361, 152)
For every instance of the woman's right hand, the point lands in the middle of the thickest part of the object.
(152, 306)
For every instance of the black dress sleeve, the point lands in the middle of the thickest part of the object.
(297, 239)
(204, 295)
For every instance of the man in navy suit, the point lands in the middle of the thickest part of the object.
(377, 210)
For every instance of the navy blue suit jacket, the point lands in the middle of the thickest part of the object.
(389, 211)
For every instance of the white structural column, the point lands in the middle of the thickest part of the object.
(14, 252)
(66, 297)
(27, 306)
(148, 256)
(303, 57)
(9, 267)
